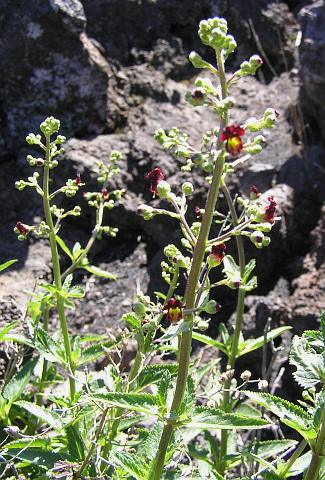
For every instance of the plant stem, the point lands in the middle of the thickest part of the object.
(56, 269)
(226, 404)
(46, 315)
(318, 452)
(99, 221)
(294, 457)
(191, 288)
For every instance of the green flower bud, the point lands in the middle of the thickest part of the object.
(187, 188)
(139, 309)
(146, 212)
(33, 139)
(213, 31)
(202, 325)
(257, 238)
(171, 251)
(197, 61)
(266, 241)
(163, 189)
(253, 149)
(49, 126)
(211, 307)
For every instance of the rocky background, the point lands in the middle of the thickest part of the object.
(115, 70)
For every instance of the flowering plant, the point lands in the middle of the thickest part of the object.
(171, 415)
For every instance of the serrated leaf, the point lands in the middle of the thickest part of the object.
(209, 341)
(42, 442)
(93, 352)
(132, 321)
(216, 419)
(153, 373)
(18, 383)
(99, 272)
(254, 343)
(309, 364)
(131, 464)
(75, 442)
(63, 246)
(138, 402)
(44, 414)
(50, 349)
(174, 330)
(273, 448)
(5, 265)
(288, 413)
(151, 443)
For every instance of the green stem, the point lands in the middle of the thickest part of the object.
(294, 457)
(46, 315)
(190, 292)
(99, 220)
(56, 269)
(318, 452)
(226, 403)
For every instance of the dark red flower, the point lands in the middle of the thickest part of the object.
(232, 136)
(174, 310)
(270, 209)
(254, 192)
(197, 94)
(78, 180)
(22, 229)
(155, 176)
(197, 212)
(219, 252)
(105, 194)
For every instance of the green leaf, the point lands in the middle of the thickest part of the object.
(273, 448)
(47, 347)
(153, 373)
(248, 270)
(18, 383)
(230, 267)
(99, 272)
(132, 321)
(131, 464)
(175, 330)
(76, 445)
(216, 419)
(35, 442)
(44, 414)
(138, 402)
(37, 456)
(93, 352)
(254, 343)
(288, 413)
(5, 265)
(309, 364)
(77, 251)
(209, 341)
(151, 443)
(6, 329)
(63, 246)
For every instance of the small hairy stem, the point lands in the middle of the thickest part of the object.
(318, 452)
(99, 220)
(226, 404)
(191, 289)
(57, 270)
(189, 232)
(231, 233)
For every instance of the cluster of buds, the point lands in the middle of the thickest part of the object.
(31, 182)
(71, 187)
(267, 121)
(174, 141)
(22, 230)
(110, 169)
(213, 32)
(249, 67)
(61, 213)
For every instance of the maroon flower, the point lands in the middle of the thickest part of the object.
(254, 192)
(219, 251)
(22, 229)
(174, 310)
(197, 212)
(270, 209)
(232, 136)
(78, 180)
(155, 176)
(105, 194)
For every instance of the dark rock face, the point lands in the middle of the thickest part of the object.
(312, 60)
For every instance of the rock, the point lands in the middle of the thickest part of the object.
(51, 67)
(312, 65)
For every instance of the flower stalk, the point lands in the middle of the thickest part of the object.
(57, 269)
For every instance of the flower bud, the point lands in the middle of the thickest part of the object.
(246, 375)
(163, 189)
(50, 125)
(197, 61)
(139, 309)
(257, 238)
(202, 325)
(266, 241)
(253, 149)
(262, 385)
(12, 431)
(146, 212)
(187, 188)
(212, 307)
